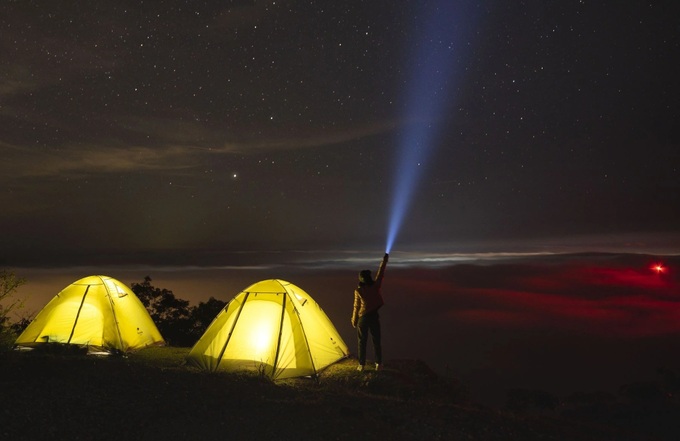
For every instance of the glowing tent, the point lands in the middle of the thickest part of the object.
(273, 327)
(96, 312)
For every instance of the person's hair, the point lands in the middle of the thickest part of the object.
(365, 278)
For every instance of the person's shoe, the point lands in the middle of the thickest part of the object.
(360, 367)
(378, 367)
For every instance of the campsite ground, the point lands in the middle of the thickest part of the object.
(153, 395)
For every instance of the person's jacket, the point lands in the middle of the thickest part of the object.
(367, 297)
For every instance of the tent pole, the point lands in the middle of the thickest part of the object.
(309, 349)
(231, 331)
(75, 322)
(115, 318)
(278, 342)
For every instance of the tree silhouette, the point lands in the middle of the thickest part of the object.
(170, 314)
(203, 314)
(9, 283)
(178, 323)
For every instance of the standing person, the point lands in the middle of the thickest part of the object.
(367, 301)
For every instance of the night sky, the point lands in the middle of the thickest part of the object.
(267, 136)
(168, 127)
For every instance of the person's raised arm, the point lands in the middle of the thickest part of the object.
(381, 270)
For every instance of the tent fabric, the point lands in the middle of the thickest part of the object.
(272, 327)
(98, 312)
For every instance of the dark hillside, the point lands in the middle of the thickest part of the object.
(152, 395)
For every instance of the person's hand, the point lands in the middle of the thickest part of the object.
(354, 324)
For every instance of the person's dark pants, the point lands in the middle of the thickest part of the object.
(369, 322)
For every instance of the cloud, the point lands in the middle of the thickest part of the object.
(31, 163)
(314, 138)
(173, 146)
(16, 80)
(604, 295)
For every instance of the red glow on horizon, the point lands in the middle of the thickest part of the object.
(658, 268)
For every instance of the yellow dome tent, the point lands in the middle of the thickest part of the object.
(96, 312)
(272, 327)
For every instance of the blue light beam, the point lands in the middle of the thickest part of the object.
(436, 55)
